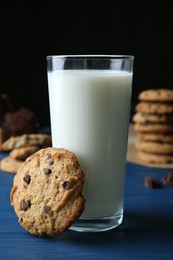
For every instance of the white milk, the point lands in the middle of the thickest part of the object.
(89, 116)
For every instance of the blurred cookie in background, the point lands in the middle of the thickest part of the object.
(153, 125)
(20, 147)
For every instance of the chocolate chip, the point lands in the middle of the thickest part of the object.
(67, 185)
(25, 205)
(50, 162)
(27, 178)
(47, 171)
(158, 93)
(168, 180)
(152, 183)
(46, 209)
(49, 155)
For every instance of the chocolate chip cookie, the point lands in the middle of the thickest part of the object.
(155, 147)
(22, 153)
(153, 124)
(156, 137)
(154, 107)
(43, 140)
(10, 165)
(153, 128)
(155, 158)
(145, 118)
(46, 193)
(156, 95)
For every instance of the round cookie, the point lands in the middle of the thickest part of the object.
(152, 118)
(154, 107)
(46, 193)
(153, 128)
(23, 152)
(155, 158)
(9, 164)
(159, 95)
(164, 138)
(154, 147)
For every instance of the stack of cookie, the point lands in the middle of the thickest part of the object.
(153, 124)
(20, 147)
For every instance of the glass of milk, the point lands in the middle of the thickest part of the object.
(90, 98)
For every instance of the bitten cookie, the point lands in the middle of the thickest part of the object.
(46, 193)
(158, 95)
(26, 140)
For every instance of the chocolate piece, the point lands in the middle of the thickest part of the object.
(50, 162)
(168, 180)
(49, 155)
(27, 178)
(152, 183)
(25, 205)
(46, 209)
(47, 171)
(67, 185)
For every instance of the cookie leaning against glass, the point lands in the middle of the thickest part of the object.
(47, 192)
(153, 124)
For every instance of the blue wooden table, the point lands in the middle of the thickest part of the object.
(146, 233)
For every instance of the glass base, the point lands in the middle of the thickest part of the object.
(98, 224)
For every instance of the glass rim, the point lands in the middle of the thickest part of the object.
(88, 56)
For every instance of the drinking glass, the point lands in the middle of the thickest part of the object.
(90, 100)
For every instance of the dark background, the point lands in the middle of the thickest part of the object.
(31, 30)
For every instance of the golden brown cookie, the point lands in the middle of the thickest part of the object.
(26, 140)
(46, 193)
(4, 135)
(154, 107)
(153, 128)
(10, 165)
(145, 118)
(155, 158)
(154, 147)
(159, 95)
(23, 152)
(156, 137)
